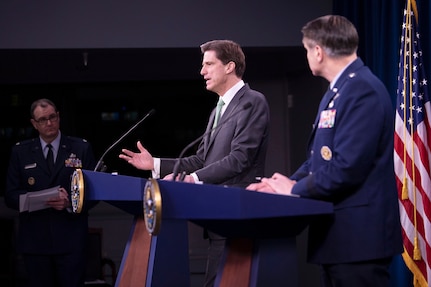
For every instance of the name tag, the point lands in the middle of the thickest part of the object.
(28, 166)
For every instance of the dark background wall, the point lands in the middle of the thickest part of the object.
(107, 63)
(50, 24)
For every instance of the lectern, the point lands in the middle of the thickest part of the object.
(260, 227)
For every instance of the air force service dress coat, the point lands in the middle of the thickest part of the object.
(47, 231)
(350, 163)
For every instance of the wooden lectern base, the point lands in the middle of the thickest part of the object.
(236, 269)
(156, 261)
(137, 253)
(259, 262)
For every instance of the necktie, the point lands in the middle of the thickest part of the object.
(220, 104)
(50, 158)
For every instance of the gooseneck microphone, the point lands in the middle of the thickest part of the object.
(222, 123)
(100, 166)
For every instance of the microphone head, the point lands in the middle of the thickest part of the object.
(151, 112)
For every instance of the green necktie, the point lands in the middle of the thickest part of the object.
(220, 104)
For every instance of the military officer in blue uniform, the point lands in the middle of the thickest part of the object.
(349, 163)
(52, 240)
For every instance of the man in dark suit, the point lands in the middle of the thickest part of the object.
(350, 163)
(232, 154)
(52, 240)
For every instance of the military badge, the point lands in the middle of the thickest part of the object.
(152, 206)
(31, 180)
(73, 161)
(326, 153)
(77, 191)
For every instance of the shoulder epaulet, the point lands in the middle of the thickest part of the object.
(25, 142)
(76, 139)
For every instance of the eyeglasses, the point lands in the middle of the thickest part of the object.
(43, 121)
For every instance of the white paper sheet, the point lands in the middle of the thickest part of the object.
(32, 201)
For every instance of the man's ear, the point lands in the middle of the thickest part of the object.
(318, 53)
(230, 67)
(33, 123)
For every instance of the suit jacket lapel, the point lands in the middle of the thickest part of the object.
(228, 113)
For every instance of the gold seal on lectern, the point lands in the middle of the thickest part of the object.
(152, 206)
(77, 190)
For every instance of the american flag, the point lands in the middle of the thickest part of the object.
(412, 150)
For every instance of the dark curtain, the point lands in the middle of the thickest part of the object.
(379, 26)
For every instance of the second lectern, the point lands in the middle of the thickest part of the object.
(261, 229)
